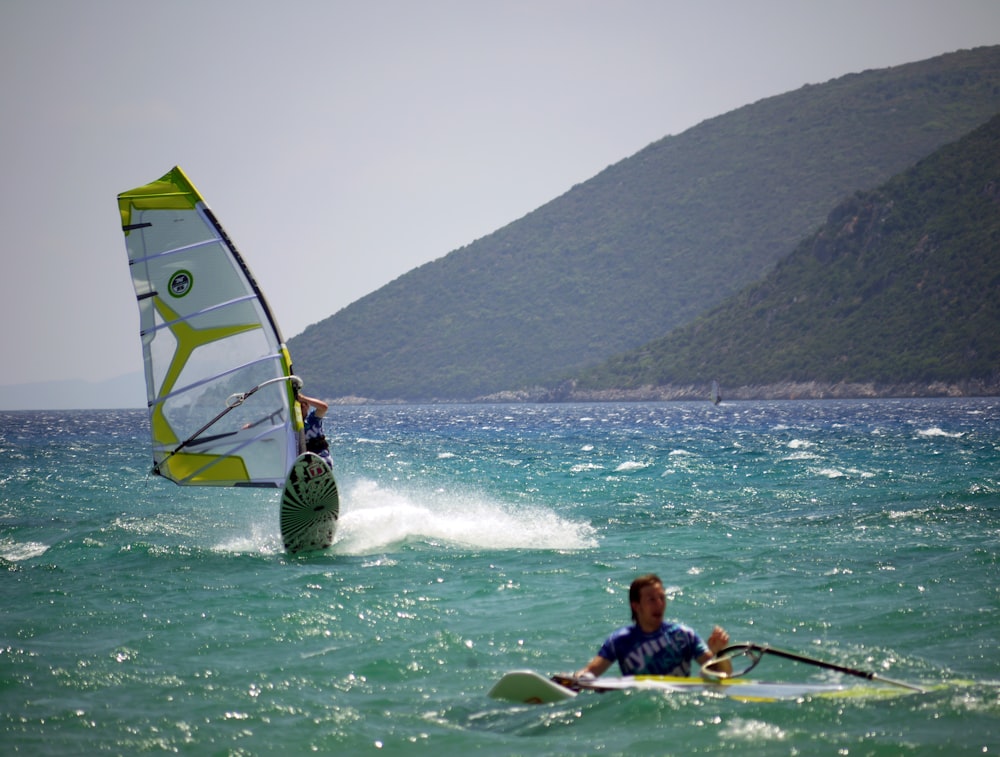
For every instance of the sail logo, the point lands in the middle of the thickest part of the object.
(180, 283)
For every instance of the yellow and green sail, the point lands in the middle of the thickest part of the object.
(221, 403)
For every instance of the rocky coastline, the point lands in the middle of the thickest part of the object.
(788, 390)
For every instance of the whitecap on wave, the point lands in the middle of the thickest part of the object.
(13, 551)
(801, 456)
(374, 519)
(939, 432)
(837, 473)
(631, 465)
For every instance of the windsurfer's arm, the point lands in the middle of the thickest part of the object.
(319, 407)
(718, 641)
(594, 668)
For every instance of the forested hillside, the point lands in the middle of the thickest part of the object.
(900, 287)
(647, 245)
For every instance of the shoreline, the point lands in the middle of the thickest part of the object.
(790, 390)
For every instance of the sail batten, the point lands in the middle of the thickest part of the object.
(206, 311)
(208, 336)
(176, 250)
(185, 389)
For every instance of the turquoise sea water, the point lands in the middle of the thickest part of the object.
(142, 618)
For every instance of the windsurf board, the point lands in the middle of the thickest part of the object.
(529, 687)
(310, 505)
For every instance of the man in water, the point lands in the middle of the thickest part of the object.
(313, 411)
(653, 646)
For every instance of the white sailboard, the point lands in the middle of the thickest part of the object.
(310, 505)
(529, 687)
(719, 676)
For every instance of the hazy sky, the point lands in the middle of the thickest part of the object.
(342, 144)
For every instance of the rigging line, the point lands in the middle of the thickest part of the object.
(215, 377)
(233, 401)
(269, 417)
(232, 451)
(275, 424)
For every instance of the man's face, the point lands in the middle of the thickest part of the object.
(651, 606)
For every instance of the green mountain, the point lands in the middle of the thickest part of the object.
(647, 245)
(900, 287)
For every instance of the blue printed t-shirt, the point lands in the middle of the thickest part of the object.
(315, 438)
(667, 651)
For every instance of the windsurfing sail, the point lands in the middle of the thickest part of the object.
(219, 379)
(716, 396)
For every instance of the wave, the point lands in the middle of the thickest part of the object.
(13, 551)
(935, 431)
(375, 519)
(631, 465)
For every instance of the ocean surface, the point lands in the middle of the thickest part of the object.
(144, 618)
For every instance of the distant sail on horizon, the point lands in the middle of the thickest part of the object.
(218, 374)
(716, 396)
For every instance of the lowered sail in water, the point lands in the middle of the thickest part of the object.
(218, 374)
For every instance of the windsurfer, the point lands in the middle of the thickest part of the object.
(313, 411)
(652, 646)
